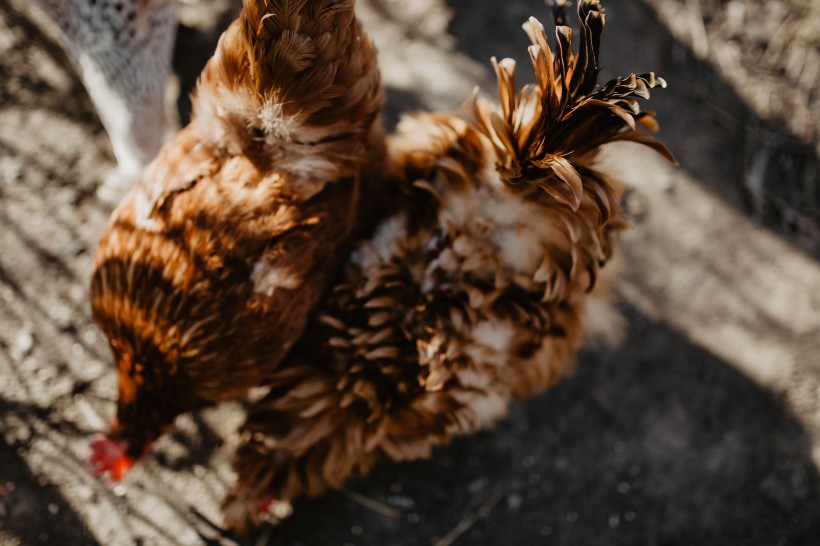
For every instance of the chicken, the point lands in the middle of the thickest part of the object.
(208, 270)
(122, 51)
(477, 289)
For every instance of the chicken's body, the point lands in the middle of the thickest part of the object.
(122, 51)
(478, 289)
(209, 269)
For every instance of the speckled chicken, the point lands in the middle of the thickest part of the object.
(477, 289)
(122, 50)
(209, 269)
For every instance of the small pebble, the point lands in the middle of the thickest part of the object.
(53, 509)
(619, 447)
(477, 485)
(356, 530)
(572, 517)
(528, 461)
(413, 518)
(89, 336)
(514, 501)
(23, 344)
(401, 501)
(11, 170)
(120, 490)
(546, 531)
(61, 315)
(630, 516)
(84, 492)
(614, 521)
(623, 488)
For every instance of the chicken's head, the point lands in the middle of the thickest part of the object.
(144, 412)
(151, 371)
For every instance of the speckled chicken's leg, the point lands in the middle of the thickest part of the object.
(122, 50)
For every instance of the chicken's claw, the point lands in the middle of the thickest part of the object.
(244, 512)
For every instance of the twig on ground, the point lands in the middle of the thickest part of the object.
(470, 520)
(372, 504)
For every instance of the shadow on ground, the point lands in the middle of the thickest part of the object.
(659, 442)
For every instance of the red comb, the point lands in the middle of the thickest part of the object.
(109, 457)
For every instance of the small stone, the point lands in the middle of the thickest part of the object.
(630, 516)
(614, 521)
(89, 336)
(546, 531)
(514, 501)
(401, 501)
(22, 345)
(572, 517)
(413, 518)
(120, 490)
(61, 315)
(356, 530)
(84, 492)
(477, 485)
(53, 509)
(11, 170)
(624, 488)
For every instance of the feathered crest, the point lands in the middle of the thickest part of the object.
(549, 131)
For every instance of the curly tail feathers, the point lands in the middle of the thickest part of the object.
(288, 64)
(547, 134)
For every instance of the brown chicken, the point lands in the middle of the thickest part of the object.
(478, 288)
(209, 269)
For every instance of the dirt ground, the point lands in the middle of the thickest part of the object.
(702, 428)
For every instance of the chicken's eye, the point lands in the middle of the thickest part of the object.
(257, 133)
